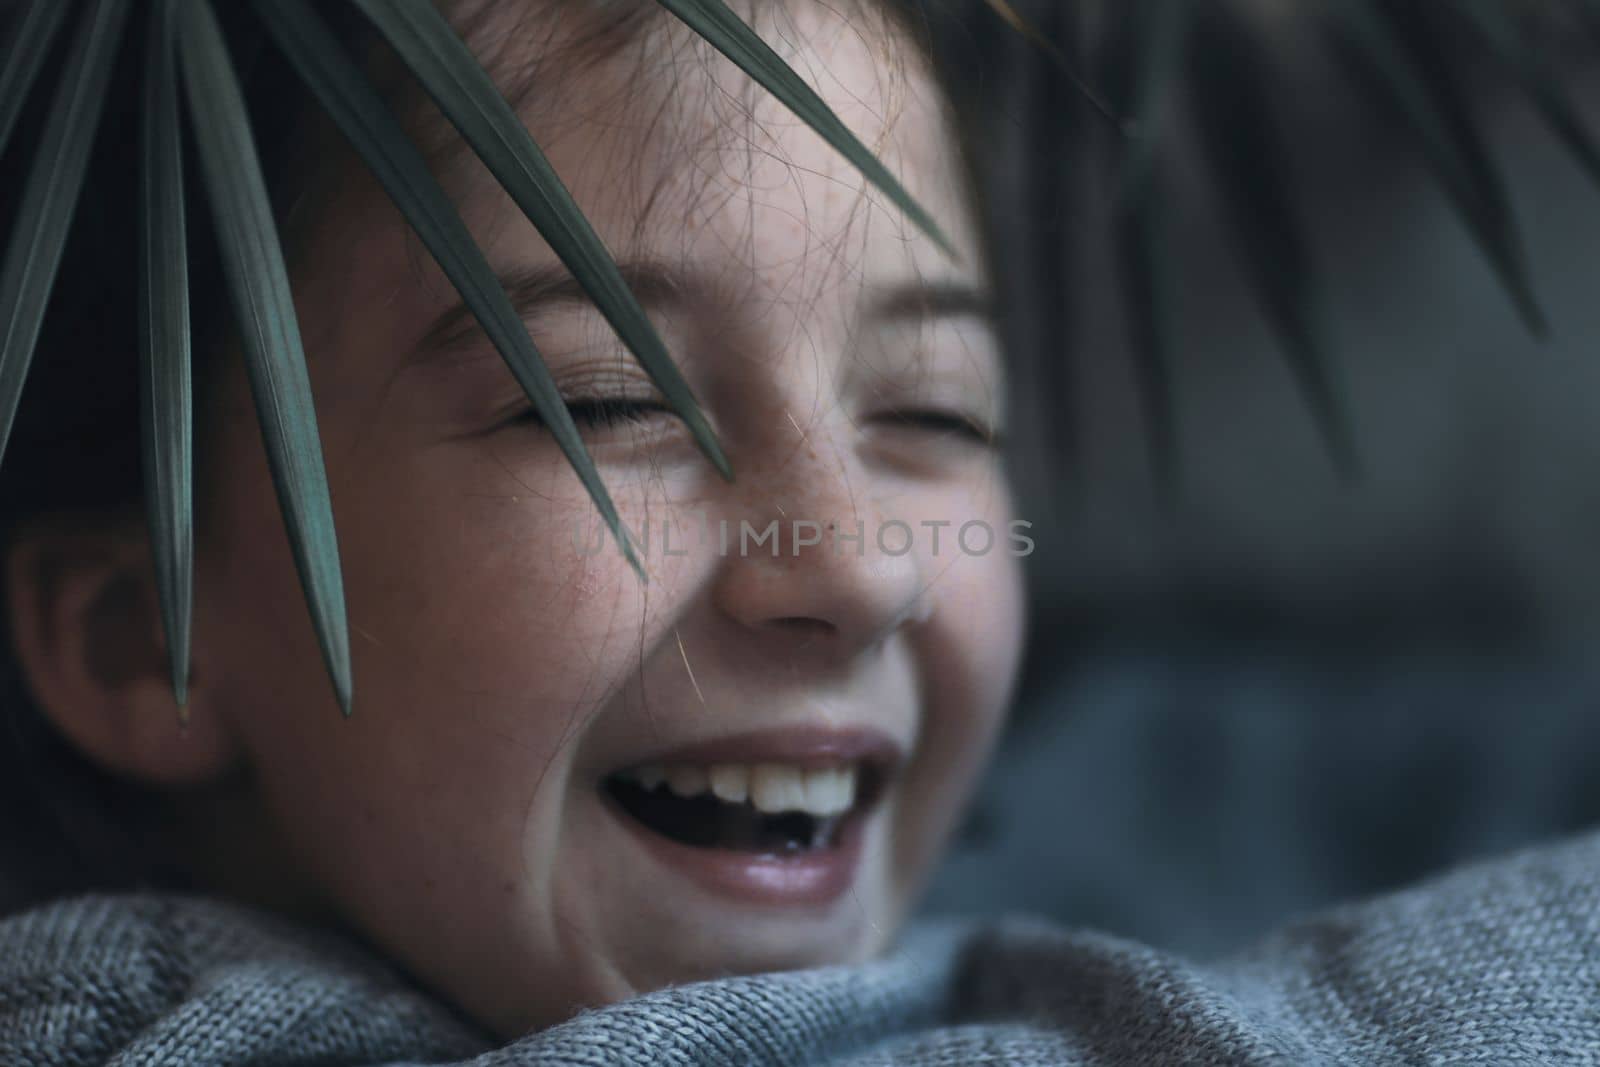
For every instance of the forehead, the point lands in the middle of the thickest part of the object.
(674, 152)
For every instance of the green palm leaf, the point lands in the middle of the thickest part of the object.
(24, 55)
(1249, 166)
(1053, 180)
(165, 392)
(1395, 50)
(467, 96)
(1154, 31)
(1140, 228)
(725, 32)
(1157, 31)
(1013, 18)
(253, 263)
(49, 199)
(362, 115)
(1507, 39)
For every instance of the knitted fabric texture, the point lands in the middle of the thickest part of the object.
(1497, 964)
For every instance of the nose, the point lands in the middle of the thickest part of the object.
(813, 558)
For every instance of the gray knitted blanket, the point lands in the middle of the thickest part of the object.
(1495, 965)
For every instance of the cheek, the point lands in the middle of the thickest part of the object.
(970, 651)
(981, 634)
(484, 575)
(480, 635)
(976, 586)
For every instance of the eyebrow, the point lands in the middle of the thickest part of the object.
(531, 289)
(930, 300)
(654, 284)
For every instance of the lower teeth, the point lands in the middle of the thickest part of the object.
(706, 822)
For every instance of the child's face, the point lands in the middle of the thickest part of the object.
(469, 818)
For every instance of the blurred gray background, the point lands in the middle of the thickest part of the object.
(1267, 689)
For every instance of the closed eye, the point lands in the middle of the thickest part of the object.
(944, 423)
(605, 413)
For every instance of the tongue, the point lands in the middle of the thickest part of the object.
(706, 822)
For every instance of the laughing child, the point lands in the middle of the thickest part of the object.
(577, 817)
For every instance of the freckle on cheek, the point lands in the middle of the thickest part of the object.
(584, 582)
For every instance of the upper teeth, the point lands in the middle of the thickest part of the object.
(771, 787)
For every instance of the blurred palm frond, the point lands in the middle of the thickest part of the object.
(1423, 67)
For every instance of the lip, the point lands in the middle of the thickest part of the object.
(814, 879)
(811, 879)
(807, 747)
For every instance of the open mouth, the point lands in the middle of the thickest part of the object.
(768, 809)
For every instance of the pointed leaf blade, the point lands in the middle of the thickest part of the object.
(1231, 95)
(1015, 19)
(1152, 34)
(24, 55)
(1033, 202)
(1387, 49)
(253, 264)
(1140, 237)
(165, 389)
(1161, 27)
(1509, 43)
(468, 97)
(364, 118)
(49, 199)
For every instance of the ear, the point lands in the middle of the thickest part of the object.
(85, 620)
